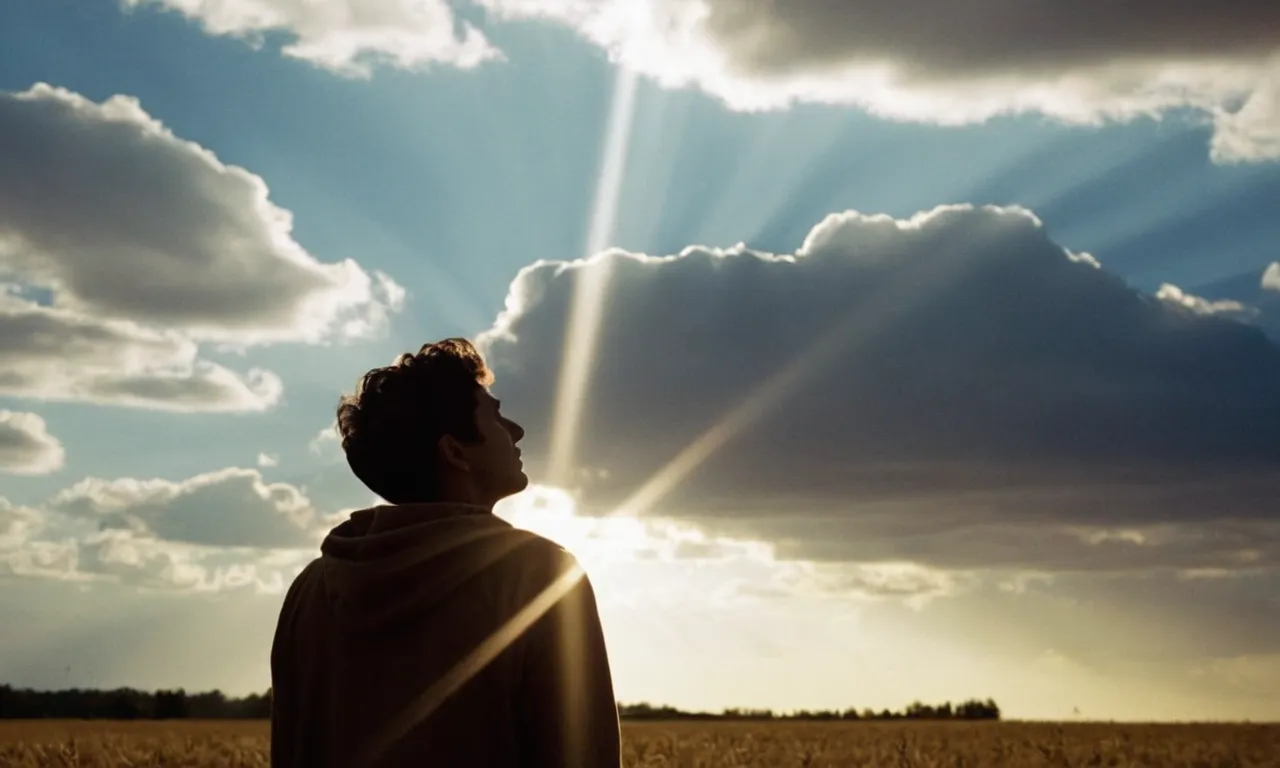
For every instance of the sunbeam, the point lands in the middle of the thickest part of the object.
(583, 324)
(855, 328)
(470, 664)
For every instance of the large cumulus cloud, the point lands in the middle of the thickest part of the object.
(959, 62)
(954, 389)
(123, 247)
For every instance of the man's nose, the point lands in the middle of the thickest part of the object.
(517, 431)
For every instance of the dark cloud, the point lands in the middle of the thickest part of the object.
(122, 247)
(993, 38)
(971, 393)
(959, 62)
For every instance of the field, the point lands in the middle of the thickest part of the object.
(768, 745)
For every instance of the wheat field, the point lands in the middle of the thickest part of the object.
(205, 744)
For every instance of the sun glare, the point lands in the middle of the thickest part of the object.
(597, 541)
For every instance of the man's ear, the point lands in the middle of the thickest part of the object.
(451, 453)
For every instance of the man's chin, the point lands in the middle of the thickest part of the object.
(519, 482)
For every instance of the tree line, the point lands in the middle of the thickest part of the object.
(133, 704)
(972, 709)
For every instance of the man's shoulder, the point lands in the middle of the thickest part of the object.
(542, 560)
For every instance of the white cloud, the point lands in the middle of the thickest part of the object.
(217, 531)
(231, 507)
(59, 355)
(954, 64)
(953, 389)
(913, 583)
(1175, 295)
(1271, 277)
(1250, 133)
(17, 524)
(326, 443)
(137, 560)
(268, 460)
(346, 35)
(138, 231)
(26, 447)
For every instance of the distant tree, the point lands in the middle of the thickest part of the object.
(131, 704)
(171, 705)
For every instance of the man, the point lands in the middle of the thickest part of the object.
(430, 632)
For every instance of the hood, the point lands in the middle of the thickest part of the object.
(388, 562)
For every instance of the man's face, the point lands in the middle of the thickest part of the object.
(495, 460)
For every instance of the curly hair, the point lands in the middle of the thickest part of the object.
(390, 426)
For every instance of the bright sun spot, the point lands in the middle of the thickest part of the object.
(552, 512)
(606, 541)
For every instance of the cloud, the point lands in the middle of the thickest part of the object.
(1176, 295)
(1261, 308)
(959, 63)
(1271, 277)
(222, 530)
(953, 389)
(268, 459)
(26, 447)
(55, 354)
(326, 444)
(231, 507)
(17, 524)
(125, 557)
(616, 549)
(137, 224)
(124, 247)
(911, 61)
(346, 36)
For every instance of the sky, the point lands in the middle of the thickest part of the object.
(868, 354)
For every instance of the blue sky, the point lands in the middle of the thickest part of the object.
(451, 180)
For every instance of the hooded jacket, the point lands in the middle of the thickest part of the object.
(440, 635)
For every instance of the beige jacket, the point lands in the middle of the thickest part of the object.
(439, 635)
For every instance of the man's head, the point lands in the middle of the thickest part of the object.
(425, 428)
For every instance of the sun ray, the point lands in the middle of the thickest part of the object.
(583, 322)
(852, 330)
(469, 665)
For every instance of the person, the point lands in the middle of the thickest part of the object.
(429, 631)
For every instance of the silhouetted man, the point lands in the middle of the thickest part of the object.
(430, 632)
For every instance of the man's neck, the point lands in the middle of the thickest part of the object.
(460, 493)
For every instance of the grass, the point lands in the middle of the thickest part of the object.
(204, 744)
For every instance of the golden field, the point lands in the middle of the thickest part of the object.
(712, 744)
